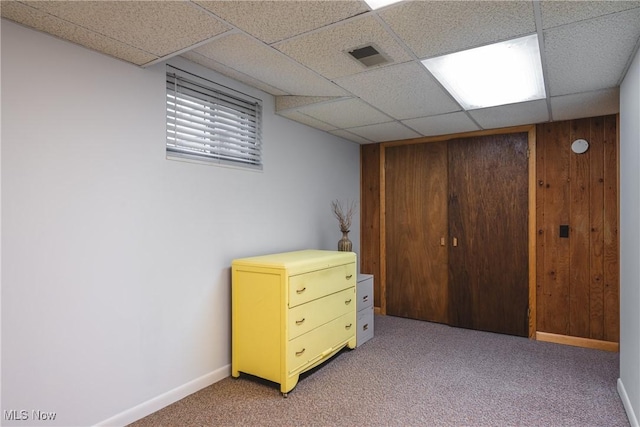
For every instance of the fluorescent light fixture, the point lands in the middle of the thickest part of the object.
(377, 4)
(497, 74)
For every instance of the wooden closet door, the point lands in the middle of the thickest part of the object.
(488, 222)
(416, 221)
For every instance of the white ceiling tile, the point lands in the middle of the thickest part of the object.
(345, 113)
(244, 54)
(272, 21)
(230, 72)
(432, 28)
(292, 102)
(524, 113)
(581, 58)
(443, 124)
(49, 24)
(307, 120)
(382, 132)
(325, 51)
(555, 13)
(157, 27)
(351, 136)
(589, 104)
(403, 91)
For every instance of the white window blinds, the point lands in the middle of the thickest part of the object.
(212, 123)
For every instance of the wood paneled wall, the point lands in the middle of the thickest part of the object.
(370, 215)
(577, 276)
(577, 283)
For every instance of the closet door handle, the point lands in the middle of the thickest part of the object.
(455, 242)
(442, 241)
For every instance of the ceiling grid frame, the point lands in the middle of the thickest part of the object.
(599, 89)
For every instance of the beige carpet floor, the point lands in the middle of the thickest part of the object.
(415, 373)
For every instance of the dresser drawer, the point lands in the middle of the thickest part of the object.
(306, 317)
(320, 342)
(364, 291)
(309, 286)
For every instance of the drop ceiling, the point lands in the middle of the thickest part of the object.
(298, 52)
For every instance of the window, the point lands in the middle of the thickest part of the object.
(212, 123)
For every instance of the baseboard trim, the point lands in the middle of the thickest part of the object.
(577, 341)
(627, 404)
(166, 399)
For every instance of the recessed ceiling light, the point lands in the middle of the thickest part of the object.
(497, 74)
(377, 4)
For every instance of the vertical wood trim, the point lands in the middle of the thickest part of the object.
(383, 233)
(540, 232)
(532, 232)
(370, 215)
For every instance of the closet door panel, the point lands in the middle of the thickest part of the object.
(416, 225)
(488, 228)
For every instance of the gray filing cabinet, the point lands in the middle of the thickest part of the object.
(364, 293)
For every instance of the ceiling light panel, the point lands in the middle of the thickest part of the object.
(497, 74)
(377, 4)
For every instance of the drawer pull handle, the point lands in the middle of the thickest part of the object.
(299, 291)
(299, 353)
(349, 276)
(300, 322)
(347, 302)
(348, 326)
(365, 298)
(365, 327)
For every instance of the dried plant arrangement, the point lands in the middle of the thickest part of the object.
(344, 217)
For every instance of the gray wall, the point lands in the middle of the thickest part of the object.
(629, 382)
(115, 260)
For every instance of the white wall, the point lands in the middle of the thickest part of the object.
(629, 382)
(115, 260)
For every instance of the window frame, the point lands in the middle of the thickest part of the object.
(207, 122)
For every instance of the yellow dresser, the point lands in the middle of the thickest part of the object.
(290, 312)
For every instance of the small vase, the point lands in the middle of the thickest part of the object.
(344, 244)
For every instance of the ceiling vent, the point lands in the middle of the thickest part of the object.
(368, 56)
